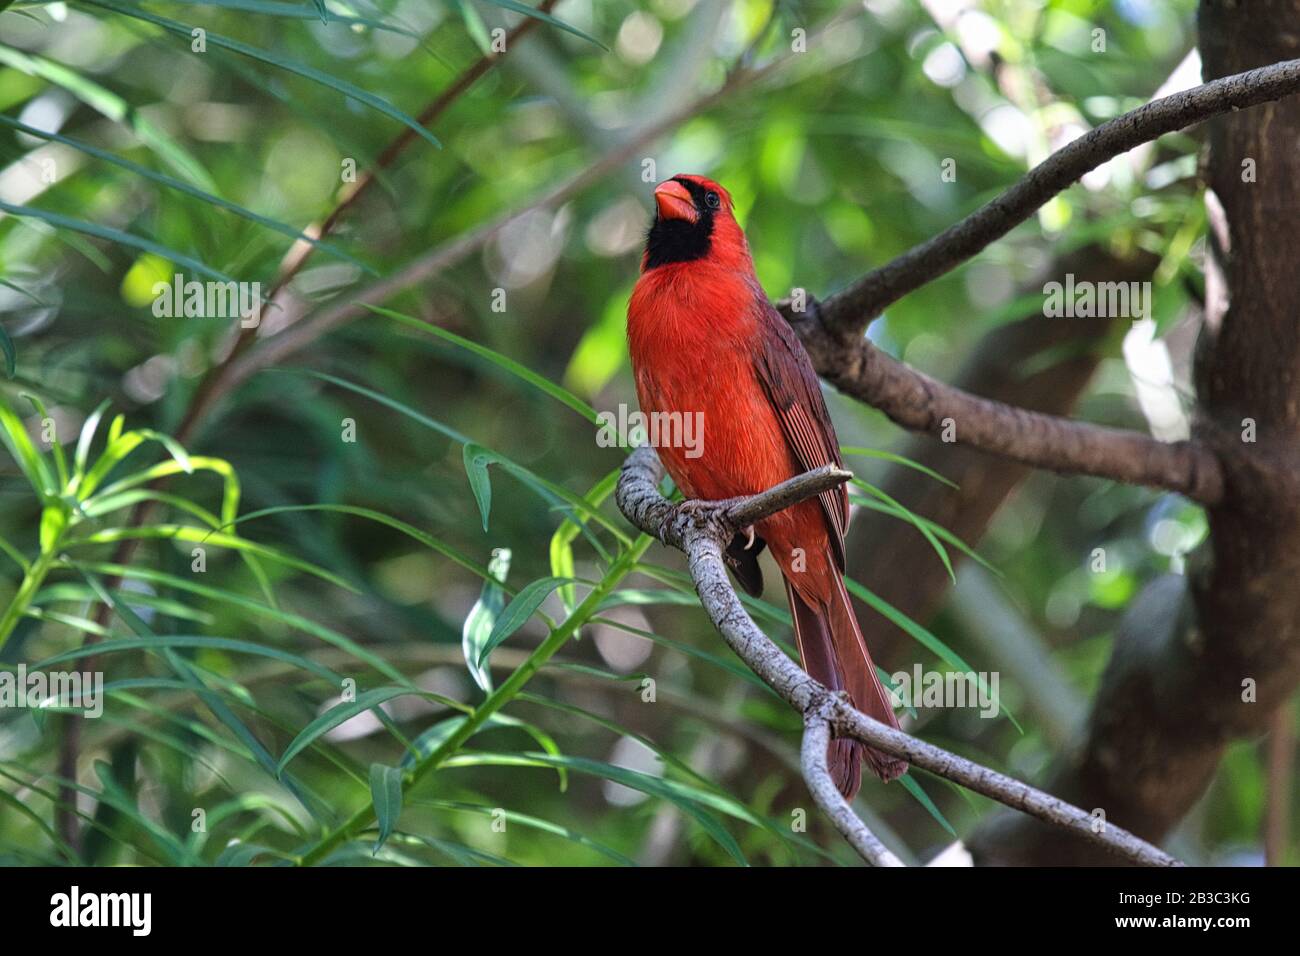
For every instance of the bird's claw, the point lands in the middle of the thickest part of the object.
(700, 515)
(748, 532)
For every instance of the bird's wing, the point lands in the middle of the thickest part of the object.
(787, 376)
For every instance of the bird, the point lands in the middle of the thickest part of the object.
(705, 341)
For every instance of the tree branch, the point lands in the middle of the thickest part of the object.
(831, 330)
(700, 529)
(852, 309)
(1173, 695)
(914, 400)
(817, 774)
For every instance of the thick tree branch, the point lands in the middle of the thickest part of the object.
(700, 529)
(914, 400)
(853, 308)
(1203, 659)
(831, 330)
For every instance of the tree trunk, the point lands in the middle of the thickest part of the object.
(1204, 660)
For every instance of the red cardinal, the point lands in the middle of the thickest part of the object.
(704, 339)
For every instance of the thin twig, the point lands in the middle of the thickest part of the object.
(702, 535)
(817, 774)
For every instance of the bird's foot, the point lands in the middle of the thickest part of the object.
(691, 514)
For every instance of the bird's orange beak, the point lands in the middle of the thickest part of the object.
(675, 202)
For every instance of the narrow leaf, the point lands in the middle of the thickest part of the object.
(481, 620)
(337, 715)
(386, 793)
(11, 357)
(517, 613)
(477, 458)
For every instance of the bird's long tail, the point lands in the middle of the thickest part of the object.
(833, 652)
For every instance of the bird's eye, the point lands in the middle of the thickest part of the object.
(712, 201)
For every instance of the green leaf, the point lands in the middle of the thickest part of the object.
(292, 66)
(172, 183)
(294, 12)
(85, 439)
(60, 221)
(11, 357)
(474, 26)
(109, 104)
(193, 535)
(564, 565)
(681, 581)
(114, 795)
(241, 854)
(164, 642)
(432, 738)
(548, 491)
(517, 369)
(56, 447)
(164, 469)
(386, 794)
(482, 617)
(644, 597)
(517, 613)
(914, 520)
(342, 713)
(428, 540)
(311, 803)
(247, 605)
(476, 460)
(896, 459)
(23, 292)
(561, 548)
(536, 14)
(69, 854)
(690, 800)
(14, 435)
(54, 519)
(14, 554)
(940, 531)
(461, 854)
(534, 823)
(911, 786)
